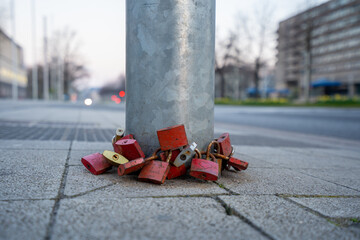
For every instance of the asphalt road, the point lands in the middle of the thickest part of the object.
(330, 122)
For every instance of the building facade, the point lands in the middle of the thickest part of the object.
(320, 44)
(10, 72)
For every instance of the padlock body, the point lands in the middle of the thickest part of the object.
(115, 139)
(175, 172)
(238, 164)
(96, 163)
(131, 166)
(204, 169)
(172, 138)
(225, 144)
(114, 158)
(155, 172)
(129, 148)
(185, 156)
(174, 154)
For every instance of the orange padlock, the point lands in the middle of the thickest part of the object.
(204, 168)
(136, 164)
(155, 171)
(173, 137)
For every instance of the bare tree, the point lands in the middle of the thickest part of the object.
(256, 30)
(65, 57)
(227, 54)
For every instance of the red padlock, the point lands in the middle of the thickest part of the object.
(131, 166)
(96, 163)
(129, 148)
(174, 171)
(115, 139)
(225, 144)
(155, 171)
(136, 164)
(175, 153)
(172, 138)
(204, 168)
(238, 164)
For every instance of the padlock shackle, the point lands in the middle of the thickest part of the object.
(232, 151)
(169, 156)
(209, 148)
(213, 157)
(218, 155)
(198, 153)
(154, 156)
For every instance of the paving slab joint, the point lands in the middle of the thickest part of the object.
(225, 188)
(60, 195)
(232, 212)
(339, 222)
(315, 196)
(354, 189)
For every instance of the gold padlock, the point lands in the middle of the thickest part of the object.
(114, 158)
(119, 134)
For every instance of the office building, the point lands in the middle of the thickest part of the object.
(321, 44)
(10, 72)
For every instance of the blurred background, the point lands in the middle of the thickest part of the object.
(274, 52)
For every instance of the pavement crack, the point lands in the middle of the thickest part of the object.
(87, 192)
(232, 212)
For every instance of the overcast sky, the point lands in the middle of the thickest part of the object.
(100, 27)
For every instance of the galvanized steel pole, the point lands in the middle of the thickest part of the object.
(170, 69)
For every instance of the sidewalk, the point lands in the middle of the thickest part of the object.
(296, 187)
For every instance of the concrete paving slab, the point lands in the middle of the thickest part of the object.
(298, 158)
(149, 218)
(339, 152)
(80, 181)
(253, 161)
(284, 220)
(31, 174)
(345, 177)
(24, 219)
(333, 207)
(34, 144)
(77, 145)
(280, 181)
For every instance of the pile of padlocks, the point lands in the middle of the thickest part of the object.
(173, 159)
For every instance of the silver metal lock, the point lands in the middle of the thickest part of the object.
(185, 156)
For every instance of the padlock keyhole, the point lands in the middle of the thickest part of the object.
(183, 157)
